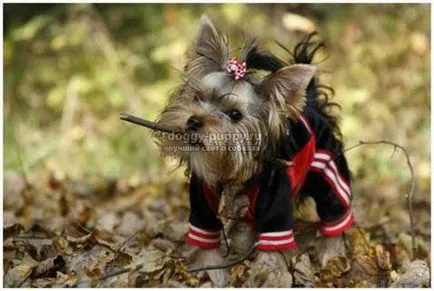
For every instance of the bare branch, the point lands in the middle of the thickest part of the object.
(148, 124)
(163, 128)
(412, 186)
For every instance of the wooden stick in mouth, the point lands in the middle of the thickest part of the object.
(147, 123)
(164, 128)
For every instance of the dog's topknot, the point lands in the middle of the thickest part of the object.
(259, 59)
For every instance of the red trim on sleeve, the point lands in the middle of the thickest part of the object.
(203, 238)
(273, 241)
(342, 197)
(324, 165)
(337, 227)
(327, 156)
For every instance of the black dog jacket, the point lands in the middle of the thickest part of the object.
(319, 170)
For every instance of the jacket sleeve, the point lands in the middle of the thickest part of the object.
(273, 211)
(205, 227)
(328, 182)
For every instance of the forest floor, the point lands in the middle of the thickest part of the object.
(129, 233)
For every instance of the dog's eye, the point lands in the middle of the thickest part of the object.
(234, 114)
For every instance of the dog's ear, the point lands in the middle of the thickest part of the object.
(209, 52)
(284, 93)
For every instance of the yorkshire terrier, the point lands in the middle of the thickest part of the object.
(256, 137)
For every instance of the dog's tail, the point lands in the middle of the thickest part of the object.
(318, 95)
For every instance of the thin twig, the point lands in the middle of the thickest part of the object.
(118, 251)
(412, 187)
(393, 153)
(228, 249)
(127, 241)
(284, 258)
(163, 128)
(148, 124)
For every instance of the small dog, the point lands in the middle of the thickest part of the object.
(256, 138)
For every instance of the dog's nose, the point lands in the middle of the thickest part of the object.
(194, 123)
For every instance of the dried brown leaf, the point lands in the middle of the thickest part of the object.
(163, 245)
(92, 263)
(269, 269)
(383, 258)
(136, 280)
(12, 231)
(62, 245)
(152, 225)
(14, 186)
(130, 224)
(47, 251)
(417, 275)
(104, 238)
(359, 242)
(238, 275)
(175, 231)
(16, 276)
(108, 221)
(371, 269)
(335, 269)
(151, 259)
(192, 282)
(121, 259)
(303, 272)
(61, 281)
(48, 266)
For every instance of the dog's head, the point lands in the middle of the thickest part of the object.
(231, 115)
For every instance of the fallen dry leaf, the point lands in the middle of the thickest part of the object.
(60, 281)
(130, 224)
(13, 230)
(132, 241)
(176, 231)
(151, 260)
(16, 276)
(336, 267)
(303, 272)
(48, 266)
(14, 186)
(417, 275)
(238, 275)
(108, 221)
(383, 258)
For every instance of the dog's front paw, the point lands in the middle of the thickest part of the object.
(329, 247)
(269, 270)
(204, 258)
(242, 237)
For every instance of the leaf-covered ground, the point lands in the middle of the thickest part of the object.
(129, 233)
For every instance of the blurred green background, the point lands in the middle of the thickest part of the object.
(70, 69)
